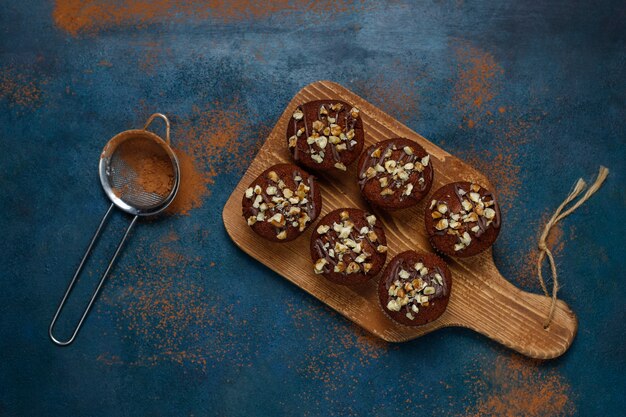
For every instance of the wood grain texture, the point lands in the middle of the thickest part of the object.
(481, 299)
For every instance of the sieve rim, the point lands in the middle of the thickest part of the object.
(105, 158)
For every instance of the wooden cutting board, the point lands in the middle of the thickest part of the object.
(481, 298)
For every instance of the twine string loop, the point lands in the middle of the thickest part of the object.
(559, 214)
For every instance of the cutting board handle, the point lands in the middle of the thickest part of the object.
(516, 319)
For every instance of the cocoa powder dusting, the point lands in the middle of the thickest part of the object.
(519, 387)
(152, 169)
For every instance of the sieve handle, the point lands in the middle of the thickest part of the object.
(167, 125)
(77, 273)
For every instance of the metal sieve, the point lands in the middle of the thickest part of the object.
(122, 183)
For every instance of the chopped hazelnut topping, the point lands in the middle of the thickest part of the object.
(298, 115)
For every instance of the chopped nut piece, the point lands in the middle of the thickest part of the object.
(467, 205)
(322, 141)
(335, 130)
(419, 266)
(317, 125)
(298, 115)
(490, 213)
(371, 219)
(249, 192)
(272, 175)
(294, 210)
(252, 220)
(340, 267)
(381, 249)
(404, 274)
(393, 305)
(344, 215)
(354, 112)
(423, 271)
(390, 165)
(317, 158)
(367, 267)
(271, 190)
(361, 258)
(287, 193)
(436, 215)
(282, 235)
(387, 191)
(475, 229)
(429, 290)
(257, 189)
(369, 173)
(425, 160)
(383, 181)
(442, 208)
(323, 229)
(350, 134)
(432, 204)
(409, 189)
(302, 221)
(257, 201)
(323, 109)
(408, 150)
(466, 239)
(372, 236)
(472, 217)
(345, 232)
(352, 268)
(475, 197)
(401, 293)
(277, 220)
(458, 247)
(379, 168)
(415, 309)
(319, 265)
(376, 153)
(475, 187)
(300, 132)
(442, 224)
(293, 141)
(410, 316)
(340, 166)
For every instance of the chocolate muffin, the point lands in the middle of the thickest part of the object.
(348, 246)
(395, 174)
(463, 219)
(415, 288)
(325, 134)
(282, 202)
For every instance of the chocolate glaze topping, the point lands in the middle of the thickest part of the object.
(281, 203)
(323, 131)
(474, 212)
(415, 288)
(347, 244)
(393, 171)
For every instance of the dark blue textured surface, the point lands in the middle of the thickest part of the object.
(208, 331)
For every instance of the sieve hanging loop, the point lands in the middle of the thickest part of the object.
(167, 125)
(120, 179)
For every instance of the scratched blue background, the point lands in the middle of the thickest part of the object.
(208, 331)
